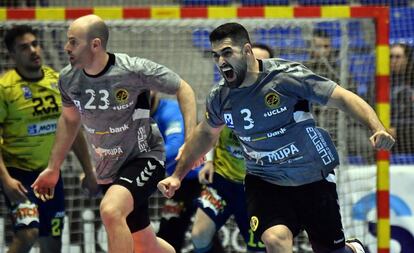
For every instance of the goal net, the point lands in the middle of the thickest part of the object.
(342, 49)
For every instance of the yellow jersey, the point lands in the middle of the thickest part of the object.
(29, 110)
(228, 157)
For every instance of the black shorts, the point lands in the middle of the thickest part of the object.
(34, 213)
(313, 207)
(140, 177)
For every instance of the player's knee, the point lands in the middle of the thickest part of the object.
(109, 213)
(165, 246)
(200, 238)
(27, 236)
(277, 239)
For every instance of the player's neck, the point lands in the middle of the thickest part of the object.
(98, 64)
(252, 74)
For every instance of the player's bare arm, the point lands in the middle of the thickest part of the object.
(205, 175)
(186, 99)
(13, 188)
(364, 113)
(80, 148)
(67, 129)
(200, 142)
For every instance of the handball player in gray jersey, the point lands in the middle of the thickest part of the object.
(109, 94)
(290, 182)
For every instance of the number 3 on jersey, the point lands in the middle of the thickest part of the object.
(249, 122)
(103, 102)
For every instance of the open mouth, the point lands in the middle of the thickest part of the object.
(229, 74)
(36, 59)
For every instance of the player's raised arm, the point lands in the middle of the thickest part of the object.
(363, 112)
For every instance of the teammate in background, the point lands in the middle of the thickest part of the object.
(262, 51)
(324, 59)
(402, 98)
(290, 180)
(177, 212)
(110, 95)
(322, 56)
(30, 106)
(223, 194)
(323, 62)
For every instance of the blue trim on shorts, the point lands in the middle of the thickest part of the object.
(50, 213)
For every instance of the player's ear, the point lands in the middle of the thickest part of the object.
(96, 43)
(247, 49)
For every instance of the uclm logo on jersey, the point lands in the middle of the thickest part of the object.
(122, 106)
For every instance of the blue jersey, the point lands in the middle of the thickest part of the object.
(171, 124)
(273, 122)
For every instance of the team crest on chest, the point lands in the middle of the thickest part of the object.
(121, 96)
(27, 92)
(272, 100)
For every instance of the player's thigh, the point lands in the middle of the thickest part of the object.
(214, 200)
(182, 206)
(322, 218)
(177, 212)
(237, 202)
(241, 217)
(140, 178)
(269, 205)
(47, 216)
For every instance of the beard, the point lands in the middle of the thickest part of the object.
(234, 76)
(33, 67)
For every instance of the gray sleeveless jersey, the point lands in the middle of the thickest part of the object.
(273, 121)
(115, 110)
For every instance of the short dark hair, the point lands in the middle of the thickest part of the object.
(235, 31)
(408, 50)
(264, 47)
(409, 53)
(13, 33)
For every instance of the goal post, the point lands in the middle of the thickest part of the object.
(178, 38)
